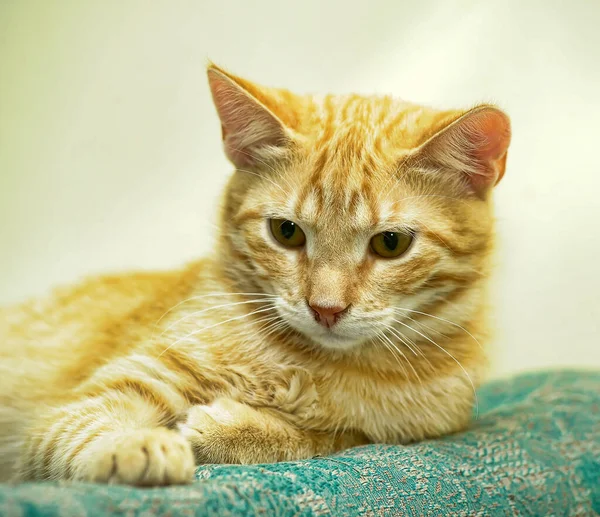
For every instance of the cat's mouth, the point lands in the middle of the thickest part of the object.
(336, 337)
(330, 339)
(343, 335)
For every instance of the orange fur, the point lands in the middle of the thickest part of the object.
(131, 378)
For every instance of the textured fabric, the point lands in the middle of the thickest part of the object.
(534, 450)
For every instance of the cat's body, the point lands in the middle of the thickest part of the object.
(113, 379)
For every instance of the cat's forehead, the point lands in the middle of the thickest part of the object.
(323, 207)
(354, 143)
(345, 171)
(350, 122)
(353, 201)
(350, 165)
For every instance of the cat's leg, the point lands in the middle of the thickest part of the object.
(118, 436)
(227, 431)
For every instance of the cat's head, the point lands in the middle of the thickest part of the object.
(354, 211)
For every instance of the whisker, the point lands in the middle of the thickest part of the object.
(287, 333)
(280, 325)
(380, 339)
(214, 307)
(453, 358)
(397, 334)
(404, 356)
(236, 318)
(402, 338)
(427, 327)
(444, 320)
(263, 319)
(271, 323)
(193, 298)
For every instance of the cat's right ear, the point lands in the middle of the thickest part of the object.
(468, 148)
(252, 133)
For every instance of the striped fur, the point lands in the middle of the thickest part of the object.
(134, 378)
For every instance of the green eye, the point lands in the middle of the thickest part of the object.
(287, 233)
(391, 244)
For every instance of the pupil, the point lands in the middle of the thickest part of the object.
(390, 239)
(288, 228)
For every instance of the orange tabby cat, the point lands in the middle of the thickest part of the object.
(344, 303)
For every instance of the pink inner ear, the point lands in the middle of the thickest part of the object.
(246, 124)
(488, 132)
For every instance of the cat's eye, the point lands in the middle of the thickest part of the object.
(391, 244)
(287, 233)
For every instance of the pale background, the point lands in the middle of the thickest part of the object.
(110, 152)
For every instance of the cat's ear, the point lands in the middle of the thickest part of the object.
(473, 145)
(251, 131)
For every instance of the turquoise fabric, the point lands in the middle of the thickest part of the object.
(534, 450)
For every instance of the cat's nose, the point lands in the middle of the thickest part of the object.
(329, 315)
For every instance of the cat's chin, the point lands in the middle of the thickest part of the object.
(335, 342)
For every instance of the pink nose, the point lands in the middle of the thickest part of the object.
(328, 316)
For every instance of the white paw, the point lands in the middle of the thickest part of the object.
(149, 457)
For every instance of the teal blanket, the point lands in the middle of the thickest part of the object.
(534, 450)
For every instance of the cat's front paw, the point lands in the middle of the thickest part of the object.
(299, 398)
(227, 431)
(149, 457)
(292, 391)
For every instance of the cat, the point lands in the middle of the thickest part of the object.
(344, 303)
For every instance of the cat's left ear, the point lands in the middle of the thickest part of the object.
(252, 132)
(473, 145)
